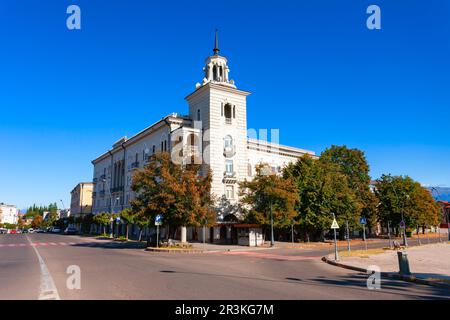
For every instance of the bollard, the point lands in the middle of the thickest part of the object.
(403, 263)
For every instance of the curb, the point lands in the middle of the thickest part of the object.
(397, 276)
(173, 250)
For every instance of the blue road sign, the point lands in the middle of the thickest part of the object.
(402, 224)
(118, 219)
(158, 219)
(362, 220)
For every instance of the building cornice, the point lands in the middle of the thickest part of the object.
(211, 85)
(166, 121)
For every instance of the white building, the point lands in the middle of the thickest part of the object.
(214, 132)
(9, 214)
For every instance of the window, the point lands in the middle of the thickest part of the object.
(154, 149)
(228, 142)
(249, 170)
(228, 113)
(229, 192)
(198, 114)
(162, 146)
(229, 167)
(234, 112)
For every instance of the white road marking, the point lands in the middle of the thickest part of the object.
(48, 289)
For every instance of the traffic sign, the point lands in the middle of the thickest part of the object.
(402, 224)
(118, 219)
(362, 220)
(158, 220)
(334, 225)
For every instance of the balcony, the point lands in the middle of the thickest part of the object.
(227, 120)
(229, 151)
(103, 177)
(229, 177)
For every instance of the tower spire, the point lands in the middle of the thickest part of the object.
(216, 43)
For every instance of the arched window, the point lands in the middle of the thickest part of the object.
(198, 114)
(234, 112)
(228, 141)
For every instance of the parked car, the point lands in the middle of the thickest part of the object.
(24, 231)
(55, 230)
(31, 230)
(12, 231)
(3, 231)
(71, 230)
(39, 231)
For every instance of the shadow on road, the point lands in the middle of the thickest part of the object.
(352, 281)
(112, 245)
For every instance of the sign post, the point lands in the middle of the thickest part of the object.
(389, 235)
(118, 226)
(348, 236)
(363, 221)
(158, 222)
(335, 226)
(111, 220)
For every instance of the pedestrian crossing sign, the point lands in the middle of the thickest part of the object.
(334, 225)
(158, 220)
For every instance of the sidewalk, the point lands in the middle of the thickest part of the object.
(427, 262)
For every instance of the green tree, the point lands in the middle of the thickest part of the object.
(103, 219)
(401, 194)
(322, 189)
(128, 216)
(353, 164)
(268, 191)
(180, 193)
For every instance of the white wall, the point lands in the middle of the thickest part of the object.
(9, 214)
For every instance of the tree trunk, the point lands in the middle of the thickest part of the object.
(127, 232)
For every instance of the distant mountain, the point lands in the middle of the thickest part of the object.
(440, 193)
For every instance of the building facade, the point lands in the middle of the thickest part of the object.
(9, 214)
(81, 200)
(214, 134)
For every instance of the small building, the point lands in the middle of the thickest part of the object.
(249, 235)
(445, 213)
(81, 199)
(8, 214)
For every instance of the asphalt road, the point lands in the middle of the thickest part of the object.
(112, 271)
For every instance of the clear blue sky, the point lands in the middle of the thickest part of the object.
(316, 73)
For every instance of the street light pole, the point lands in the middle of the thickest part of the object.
(405, 241)
(348, 236)
(272, 239)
